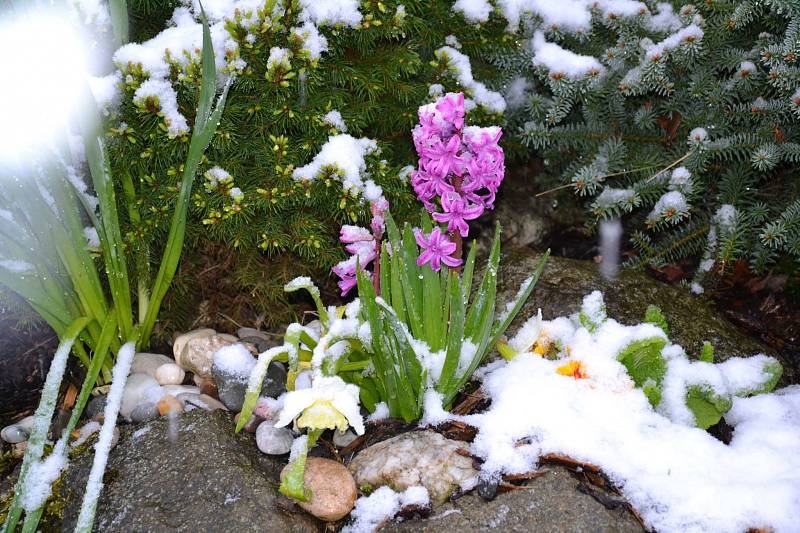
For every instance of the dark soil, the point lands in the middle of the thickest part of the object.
(25, 354)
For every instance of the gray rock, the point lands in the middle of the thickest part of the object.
(416, 458)
(272, 440)
(551, 504)
(692, 319)
(143, 412)
(208, 480)
(95, 406)
(232, 387)
(148, 363)
(275, 381)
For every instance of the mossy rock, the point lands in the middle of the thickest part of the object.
(692, 319)
(195, 477)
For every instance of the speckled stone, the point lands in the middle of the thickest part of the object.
(197, 354)
(551, 504)
(333, 490)
(209, 479)
(416, 458)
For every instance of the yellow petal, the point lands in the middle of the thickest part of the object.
(322, 415)
(575, 369)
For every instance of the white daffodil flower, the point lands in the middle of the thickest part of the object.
(330, 403)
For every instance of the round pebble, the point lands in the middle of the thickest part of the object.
(333, 489)
(169, 404)
(14, 434)
(272, 440)
(170, 374)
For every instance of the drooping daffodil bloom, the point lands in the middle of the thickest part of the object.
(329, 403)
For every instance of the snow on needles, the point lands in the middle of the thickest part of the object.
(678, 478)
(345, 155)
(182, 42)
(558, 60)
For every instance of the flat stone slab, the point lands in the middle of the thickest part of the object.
(196, 476)
(551, 503)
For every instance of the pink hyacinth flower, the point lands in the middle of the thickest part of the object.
(457, 212)
(444, 158)
(437, 249)
(451, 107)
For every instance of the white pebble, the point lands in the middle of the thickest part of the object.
(170, 374)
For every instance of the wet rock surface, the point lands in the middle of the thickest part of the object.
(692, 319)
(203, 479)
(550, 503)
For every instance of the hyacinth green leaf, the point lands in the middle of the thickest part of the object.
(707, 352)
(305, 283)
(386, 276)
(398, 302)
(380, 359)
(455, 335)
(644, 361)
(476, 313)
(707, 406)
(522, 296)
(405, 368)
(467, 272)
(412, 290)
(293, 482)
(653, 315)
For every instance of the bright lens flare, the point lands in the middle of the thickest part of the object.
(43, 58)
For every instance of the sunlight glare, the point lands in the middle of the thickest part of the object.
(43, 60)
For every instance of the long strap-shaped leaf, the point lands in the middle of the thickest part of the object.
(41, 423)
(95, 483)
(204, 128)
(98, 360)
